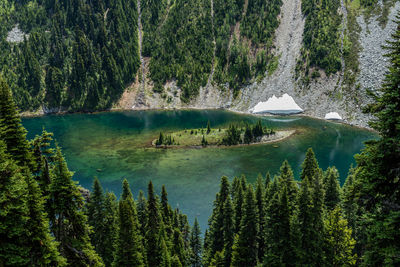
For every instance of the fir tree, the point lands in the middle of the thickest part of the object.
(309, 166)
(14, 250)
(245, 248)
(128, 246)
(339, 244)
(44, 250)
(287, 180)
(332, 188)
(378, 167)
(229, 231)
(96, 214)
(261, 209)
(142, 212)
(208, 127)
(178, 247)
(11, 130)
(68, 221)
(110, 228)
(195, 245)
(238, 202)
(154, 222)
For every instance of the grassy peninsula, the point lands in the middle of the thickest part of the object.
(233, 135)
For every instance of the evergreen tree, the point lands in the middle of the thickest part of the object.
(110, 228)
(287, 180)
(12, 132)
(178, 247)
(245, 248)
(96, 216)
(339, 244)
(68, 221)
(216, 232)
(332, 188)
(238, 203)
(128, 246)
(44, 250)
(153, 225)
(195, 245)
(378, 167)
(261, 209)
(208, 127)
(165, 255)
(142, 212)
(309, 166)
(14, 250)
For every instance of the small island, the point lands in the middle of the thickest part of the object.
(234, 135)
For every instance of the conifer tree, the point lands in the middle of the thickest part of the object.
(339, 244)
(261, 209)
(309, 166)
(178, 247)
(165, 255)
(14, 250)
(44, 250)
(332, 188)
(245, 248)
(68, 221)
(378, 167)
(195, 245)
(216, 231)
(142, 212)
(11, 130)
(96, 214)
(229, 231)
(128, 246)
(110, 228)
(153, 225)
(287, 180)
(238, 203)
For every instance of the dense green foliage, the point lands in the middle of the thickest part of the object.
(321, 39)
(80, 55)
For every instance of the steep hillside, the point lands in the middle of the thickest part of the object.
(138, 54)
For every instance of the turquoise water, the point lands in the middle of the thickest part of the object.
(116, 145)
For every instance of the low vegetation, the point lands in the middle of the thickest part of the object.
(235, 134)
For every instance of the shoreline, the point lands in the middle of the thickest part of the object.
(28, 114)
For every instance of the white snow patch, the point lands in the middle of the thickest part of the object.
(16, 35)
(278, 105)
(333, 116)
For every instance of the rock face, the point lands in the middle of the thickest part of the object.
(322, 95)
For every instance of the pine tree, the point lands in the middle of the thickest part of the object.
(238, 203)
(229, 232)
(142, 212)
(110, 228)
(68, 221)
(287, 180)
(96, 214)
(216, 222)
(317, 210)
(165, 255)
(14, 250)
(11, 130)
(44, 250)
(339, 244)
(153, 225)
(261, 209)
(128, 246)
(245, 248)
(309, 166)
(379, 165)
(208, 127)
(195, 245)
(332, 188)
(178, 247)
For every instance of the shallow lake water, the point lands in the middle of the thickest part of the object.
(116, 145)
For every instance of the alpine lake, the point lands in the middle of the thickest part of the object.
(117, 145)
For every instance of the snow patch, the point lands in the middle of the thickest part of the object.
(278, 105)
(16, 35)
(333, 116)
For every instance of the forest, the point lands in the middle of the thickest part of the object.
(46, 221)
